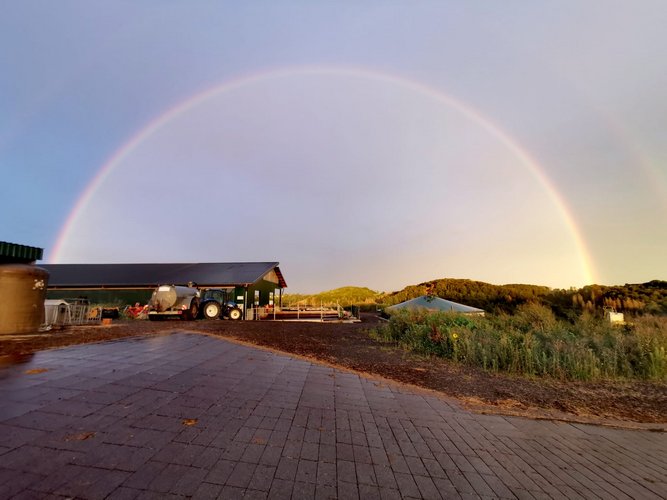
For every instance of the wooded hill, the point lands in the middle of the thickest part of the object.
(649, 298)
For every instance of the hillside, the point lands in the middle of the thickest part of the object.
(344, 296)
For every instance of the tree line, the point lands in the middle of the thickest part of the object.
(642, 298)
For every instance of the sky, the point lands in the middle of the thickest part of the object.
(366, 143)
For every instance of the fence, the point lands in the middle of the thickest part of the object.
(302, 313)
(61, 313)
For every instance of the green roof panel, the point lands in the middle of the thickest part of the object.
(14, 253)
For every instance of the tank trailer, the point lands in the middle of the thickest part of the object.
(189, 302)
(171, 301)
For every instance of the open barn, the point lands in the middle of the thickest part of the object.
(252, 284)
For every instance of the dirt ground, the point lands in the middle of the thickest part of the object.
(349, 346)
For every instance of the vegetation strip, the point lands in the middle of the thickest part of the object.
(534, 342)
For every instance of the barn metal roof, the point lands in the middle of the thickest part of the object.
(12, 252)
(212, 274)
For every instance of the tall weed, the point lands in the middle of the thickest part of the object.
(534, 342)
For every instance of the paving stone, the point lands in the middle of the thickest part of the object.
(14, 482)
(14, 436)
(277, 438)
(144, 475)
(292, 449)
(281, 489)
(447, 489)
(255, 494)
(460, 482)
(38, 460)
(241, 475)
(306, 471)
(367, 491)
(416, 466)
(271, 455)
(207, 491)
(303, 490)
(325, 492)
(326, 473)
(207, 458)
(89, 483)
(189, 481)
(479, 485)
(385, 477)
(362, 454)
(124, 493)
(407, 485)
(253, 453)
(327, 453)
(398, 463)
(365, 474)
(348, 490)
(232, 492)
(312, 435)
(427, 487)
(346, 471)
(200, 417)
(344, 452)
(389, 494)
(262, 478)
(166, 479)
(310, 451)
(235, 450)
(499, 488)
(287, 468)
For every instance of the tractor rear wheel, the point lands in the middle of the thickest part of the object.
(211, 310)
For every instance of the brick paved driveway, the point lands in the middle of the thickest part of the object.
(189, 415)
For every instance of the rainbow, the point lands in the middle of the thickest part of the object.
(634, 149)
(160, 121)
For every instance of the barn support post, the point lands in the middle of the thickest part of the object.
(245, 302)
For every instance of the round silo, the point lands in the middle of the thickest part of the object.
(22, 294)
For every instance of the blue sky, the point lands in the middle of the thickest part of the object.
(358, 143)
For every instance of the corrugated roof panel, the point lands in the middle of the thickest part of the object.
(13, 252)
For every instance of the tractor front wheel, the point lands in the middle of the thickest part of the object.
(235, 314)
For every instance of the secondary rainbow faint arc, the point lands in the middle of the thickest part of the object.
(160, 121)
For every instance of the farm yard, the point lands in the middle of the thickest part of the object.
(360, 348)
